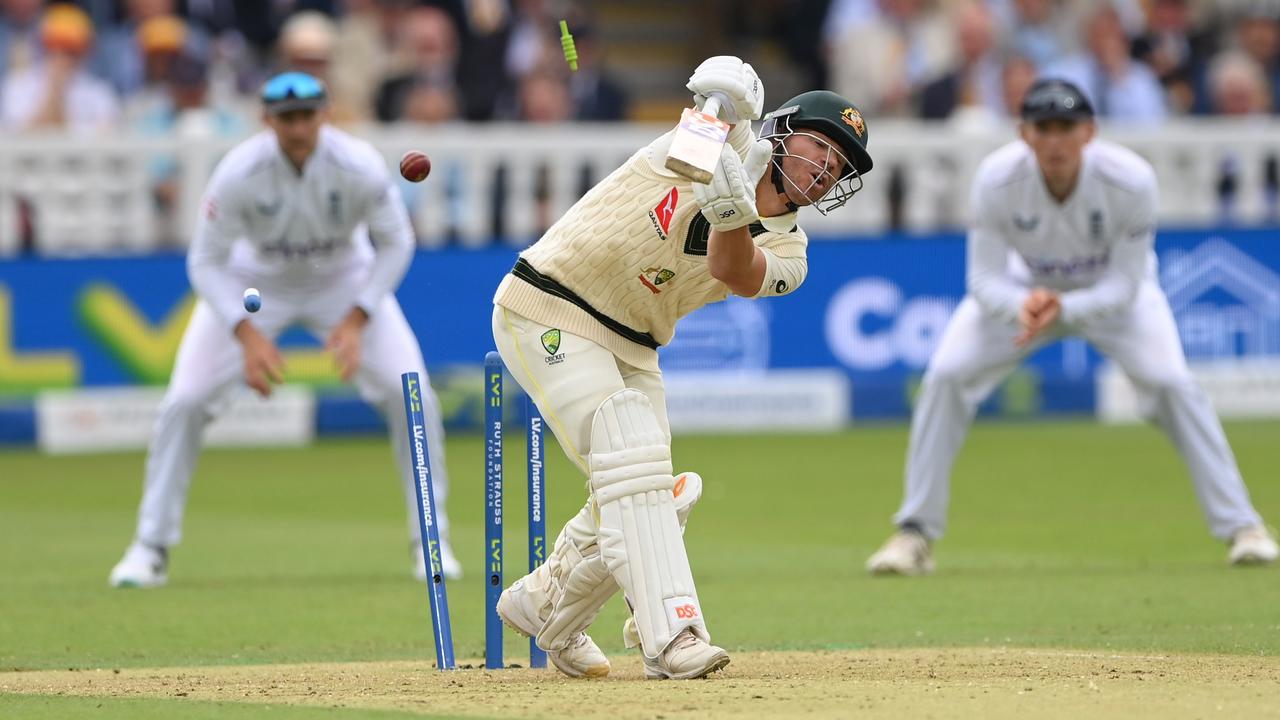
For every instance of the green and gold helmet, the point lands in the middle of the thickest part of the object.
(828, 113)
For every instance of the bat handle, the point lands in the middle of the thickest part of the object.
(712, 106)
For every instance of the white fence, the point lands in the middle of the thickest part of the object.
(93, 195)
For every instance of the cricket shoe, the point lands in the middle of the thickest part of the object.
(1253, 546)
(906, 553)
(687, 657)
(518, 607)
(143, 566)
(448, 563)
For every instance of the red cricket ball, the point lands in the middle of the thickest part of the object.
(415, 166)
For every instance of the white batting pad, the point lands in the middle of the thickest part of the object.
(581, 583)
(640, 537)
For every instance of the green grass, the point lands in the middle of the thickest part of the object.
(1062, 535)
(37, 707)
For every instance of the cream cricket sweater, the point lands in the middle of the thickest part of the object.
(629, 259)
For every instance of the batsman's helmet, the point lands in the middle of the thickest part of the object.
(833, 116)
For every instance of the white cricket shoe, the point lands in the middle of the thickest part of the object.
(448, 562)
(687, 657)
(143, 566)
(518, 608)
(906, 553)
(1253, 546)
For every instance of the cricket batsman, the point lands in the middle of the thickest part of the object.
(579, 321)
(1061, 244)
(309, 214)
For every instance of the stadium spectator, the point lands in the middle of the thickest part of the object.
(974, 84)
(1016, 76)
(184, 111)
(57, 91)
(596, 96)
(360, 52)
(160, 40)
(1122, 89)
(1257, 33)
(1239, 86)
(1041, 30)
(426, 52)
(1174, 50)
(119, 54)
(19, 34)
(886, 56)
(308, 43)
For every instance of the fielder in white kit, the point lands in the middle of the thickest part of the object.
(310, 215)
(578, 323)
(1061, 244)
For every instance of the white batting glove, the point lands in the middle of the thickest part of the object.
(733, 79)
(729, 201)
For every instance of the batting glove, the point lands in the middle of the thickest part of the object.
(735, 81)
(729, 201)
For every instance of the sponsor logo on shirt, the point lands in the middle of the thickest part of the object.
(1026, 224)
(1069, 267)
(663, 212)
(313, 248)
(653, 277)
(551, 343)
(335, 207)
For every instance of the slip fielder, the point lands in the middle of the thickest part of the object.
(1061, 244)
(283, 212)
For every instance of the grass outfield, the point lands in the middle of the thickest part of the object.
(1063, 535)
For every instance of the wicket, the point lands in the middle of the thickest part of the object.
(420, 458)
(493, 403)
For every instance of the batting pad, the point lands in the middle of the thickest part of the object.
(582, 584)
(640, 538)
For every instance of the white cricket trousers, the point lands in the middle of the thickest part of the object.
(210, 368)
(977, 352)
(571, 383)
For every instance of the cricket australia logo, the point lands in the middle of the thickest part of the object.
(551, 343)
(662, 214)
(853, 119)
(653, 277)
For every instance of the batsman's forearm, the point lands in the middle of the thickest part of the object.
(733, 259)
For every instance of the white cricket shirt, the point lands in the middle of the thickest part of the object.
(296, 232)
(1095, 248)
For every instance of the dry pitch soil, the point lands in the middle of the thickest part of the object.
(968, 683)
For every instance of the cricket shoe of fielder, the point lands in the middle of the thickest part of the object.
(688, 491)
(143, 566)
(1253, 546)
(448, 562)
(906, 553)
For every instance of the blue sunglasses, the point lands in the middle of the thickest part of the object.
(293, 86)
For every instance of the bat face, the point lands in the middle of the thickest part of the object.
(695, 148)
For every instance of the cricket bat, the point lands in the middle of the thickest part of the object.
(695, 149)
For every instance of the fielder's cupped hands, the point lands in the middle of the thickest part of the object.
(1039, 312)
(263, 364)
(344, 343)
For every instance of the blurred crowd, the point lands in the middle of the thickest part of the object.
(1141, 61)
(148, 64)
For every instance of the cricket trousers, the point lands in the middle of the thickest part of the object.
(977, 352)
(209, 371)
